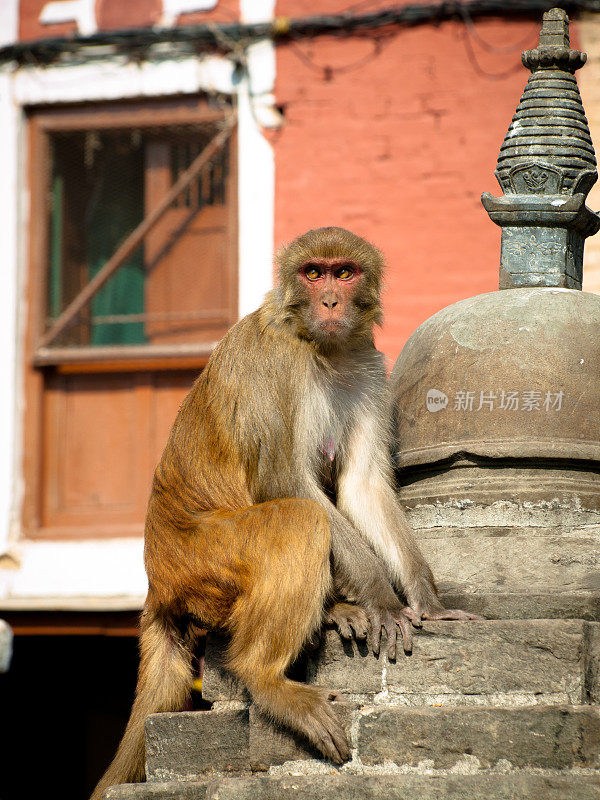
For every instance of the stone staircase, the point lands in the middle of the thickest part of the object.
(503, 709)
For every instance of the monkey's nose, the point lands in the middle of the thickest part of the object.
(330, 302)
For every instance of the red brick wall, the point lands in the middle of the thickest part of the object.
(399, 149)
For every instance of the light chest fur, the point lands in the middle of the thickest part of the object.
(338, 396)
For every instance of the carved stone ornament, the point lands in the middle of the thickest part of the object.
(546, 168)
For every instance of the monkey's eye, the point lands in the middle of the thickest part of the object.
(343, 273)
(312, 272)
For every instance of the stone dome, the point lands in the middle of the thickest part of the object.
(504, 379)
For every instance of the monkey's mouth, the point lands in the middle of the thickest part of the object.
(331, 325)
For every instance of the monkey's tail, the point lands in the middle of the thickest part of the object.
(164, 683)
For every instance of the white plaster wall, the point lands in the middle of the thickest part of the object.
(255, 184)
(9, 21)
(83, 574)
(10, 117)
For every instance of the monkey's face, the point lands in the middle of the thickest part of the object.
(330, 287)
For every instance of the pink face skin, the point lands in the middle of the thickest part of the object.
(330, 283)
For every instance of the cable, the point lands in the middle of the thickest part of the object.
(491, 48)
(226, 37)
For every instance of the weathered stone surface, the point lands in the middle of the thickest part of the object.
(506, 572)
(592, 662)
(6, 640)
(504, 662)
(479, 352)
(409, 787)
(549, 737)
(163, 790)
(217, 683)
(270, 745)
(191, 743)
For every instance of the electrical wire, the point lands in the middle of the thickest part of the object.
(228, 37)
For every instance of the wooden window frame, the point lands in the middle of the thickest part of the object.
(41, 123)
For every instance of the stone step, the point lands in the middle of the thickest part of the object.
(545, 737)
(165, 790)
(519, 786)
(522, 572)
(188, 745)
(494, 662)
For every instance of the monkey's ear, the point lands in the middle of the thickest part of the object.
(280, 259)
(285, 266)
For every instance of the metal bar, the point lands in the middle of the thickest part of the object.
(135, 238)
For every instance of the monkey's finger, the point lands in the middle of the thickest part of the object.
(375, 632)
(414, 616)
(332, 738)
(392, 634)
(343, 628)
(360, 628)
(340, 742)
(406, 629)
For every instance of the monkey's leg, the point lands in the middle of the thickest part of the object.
(288, 545)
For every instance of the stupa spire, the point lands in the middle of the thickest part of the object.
(546, 168)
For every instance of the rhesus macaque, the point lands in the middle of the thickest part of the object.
(274, 497)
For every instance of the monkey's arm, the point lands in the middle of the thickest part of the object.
(360, 575)
(366, 497)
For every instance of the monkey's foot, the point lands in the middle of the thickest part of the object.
(398, 625)
(349, 619)
(322, 727)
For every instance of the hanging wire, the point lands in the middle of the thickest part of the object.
(491, 48)
(225, 37)
(492, 76)
(328, 71)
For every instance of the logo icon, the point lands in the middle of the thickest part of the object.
(436, 400)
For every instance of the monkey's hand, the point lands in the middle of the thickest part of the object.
(349, 619)
(397, 622)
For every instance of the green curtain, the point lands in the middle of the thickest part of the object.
(56, 254)
(116, 208)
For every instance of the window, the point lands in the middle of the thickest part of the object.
(114, 208)
(132, 279)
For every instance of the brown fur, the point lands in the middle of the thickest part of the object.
(241, 525)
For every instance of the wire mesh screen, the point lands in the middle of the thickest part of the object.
(176, 285)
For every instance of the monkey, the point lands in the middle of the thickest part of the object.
(274, 497)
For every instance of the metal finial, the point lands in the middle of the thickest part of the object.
(546, 167)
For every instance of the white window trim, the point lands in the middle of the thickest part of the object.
(58, 575)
